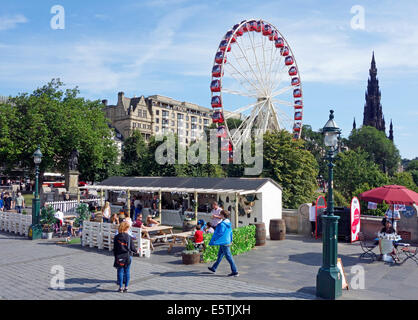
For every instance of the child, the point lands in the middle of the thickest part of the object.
(198, 238)
(209, 228)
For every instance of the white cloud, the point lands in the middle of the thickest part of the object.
(10, 22)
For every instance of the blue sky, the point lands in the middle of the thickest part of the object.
(167, 47)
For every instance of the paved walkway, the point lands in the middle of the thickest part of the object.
(279, 270)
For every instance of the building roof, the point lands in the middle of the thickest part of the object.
(185, 184)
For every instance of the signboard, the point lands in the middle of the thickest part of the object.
(341, 269)
(409, 212)
(355, 219)
(321, 205)
(372, 205)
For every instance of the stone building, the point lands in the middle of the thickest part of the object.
(158, 115)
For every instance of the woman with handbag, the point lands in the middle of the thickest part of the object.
(123, 249)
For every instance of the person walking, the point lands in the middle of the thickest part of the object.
(222, 237)
(123, 248)
(312, 218)
(19, 202)
(394, 216)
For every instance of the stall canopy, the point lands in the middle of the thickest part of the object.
(186, 185)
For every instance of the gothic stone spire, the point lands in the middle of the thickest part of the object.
(373, 114)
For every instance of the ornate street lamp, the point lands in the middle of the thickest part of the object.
(328, 279)
(35, 230)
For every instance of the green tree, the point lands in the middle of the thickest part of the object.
(412, 167)
(135, 155)
(379, 148)
(353, 169)
(58, 121)
(314, 143)
(404, 179)
(294, 168)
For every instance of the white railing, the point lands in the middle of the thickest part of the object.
(68, 207)
(15, 222)
(101, 235)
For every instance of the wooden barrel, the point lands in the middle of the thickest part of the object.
(277, 229)
(260, 233)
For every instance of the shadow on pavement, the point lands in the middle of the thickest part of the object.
(315, 259)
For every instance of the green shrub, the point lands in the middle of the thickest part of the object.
(47, 218)
(243, 241)
(83, 213)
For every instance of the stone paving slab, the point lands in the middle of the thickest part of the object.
(279, 270)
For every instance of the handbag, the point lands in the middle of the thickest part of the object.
(124, 259)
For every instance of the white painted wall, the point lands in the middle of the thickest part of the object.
(271, 204)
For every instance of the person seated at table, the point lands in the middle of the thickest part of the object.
(198, 238)
(138, 223)
(151, 222)
(208, 228)
(388, 229)
(114, 219)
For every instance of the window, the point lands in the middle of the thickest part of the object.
(157, 120)
(205, 121)
(180, 116)
(157, 112)
(173, 115)
(200, 120)
(200, 127)
(194, 119)
(180, 124)
(187, 133)
(187, 126)
(165, 113)
(172, 123)
(187, 118)
(193, 126)
(144, 113)
(157, 128)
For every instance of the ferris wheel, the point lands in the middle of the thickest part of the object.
(256, 83)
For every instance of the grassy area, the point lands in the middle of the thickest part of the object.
(28, 199)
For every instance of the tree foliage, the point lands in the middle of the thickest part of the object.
(58, 121)
(353, 169)
(294, 168)
(379, 148)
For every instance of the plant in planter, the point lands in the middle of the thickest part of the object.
(47, 221)
(190, 255)
(83, 213)
(24, 212)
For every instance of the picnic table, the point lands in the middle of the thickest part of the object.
(183, 236)
(167, 232)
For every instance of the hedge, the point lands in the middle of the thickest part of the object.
(243, 241)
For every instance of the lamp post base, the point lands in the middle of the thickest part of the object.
(35, 232)
(328, 283)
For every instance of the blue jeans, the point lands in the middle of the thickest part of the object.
(225, 251)
(18, 209)
(124, 274)
(105, 220)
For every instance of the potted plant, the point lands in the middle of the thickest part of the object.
(190, 255)
(83, 213)
(47, 221)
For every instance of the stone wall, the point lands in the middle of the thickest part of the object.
(297, 221)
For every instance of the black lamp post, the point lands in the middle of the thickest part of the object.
(35, 230)
(328, 279)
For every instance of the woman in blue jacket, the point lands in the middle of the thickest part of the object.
(222, 237)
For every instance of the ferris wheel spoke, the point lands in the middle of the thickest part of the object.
(258, 65)
(243, 83)
(250, 65)
(242, 75)
(272, 52)
(239, 93)
(284, 102)
(242, 109)
(281, 91)
(245, 128)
